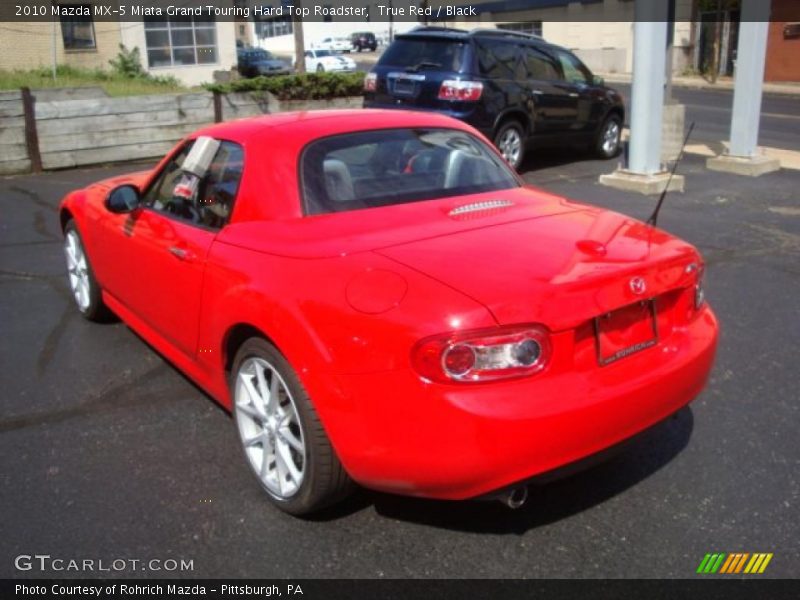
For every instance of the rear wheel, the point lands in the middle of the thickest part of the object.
(320, 68)
(510, 140)
(82, 282)
(608, 142)
(281, 434)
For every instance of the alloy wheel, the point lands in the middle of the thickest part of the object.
(269, 427)
(78, 270)
(611, 138)
(510, 145)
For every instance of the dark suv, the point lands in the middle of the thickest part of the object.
(362, 40)
(513, 87)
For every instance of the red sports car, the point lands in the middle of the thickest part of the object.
(380, 299)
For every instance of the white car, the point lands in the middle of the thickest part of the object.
(325, 60)
(334, 44)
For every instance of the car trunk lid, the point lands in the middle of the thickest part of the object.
(560, 271)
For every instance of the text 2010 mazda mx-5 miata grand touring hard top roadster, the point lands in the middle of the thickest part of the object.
(380, 299)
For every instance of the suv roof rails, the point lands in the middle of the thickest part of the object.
(506, 33)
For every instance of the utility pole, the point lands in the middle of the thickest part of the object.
(53, 44)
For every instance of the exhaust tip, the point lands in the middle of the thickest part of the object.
(515, 498)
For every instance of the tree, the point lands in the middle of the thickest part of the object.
(299, 43)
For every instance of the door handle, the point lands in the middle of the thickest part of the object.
(181, 254)
(537, 92)
(574, 94)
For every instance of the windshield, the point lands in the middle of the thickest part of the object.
(426, 52)
(323, 53)
(397, 166)
(260, 55)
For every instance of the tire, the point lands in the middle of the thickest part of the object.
(608, 142)
(320, 68)
(284, 443)
(510, 141)
(80, 277)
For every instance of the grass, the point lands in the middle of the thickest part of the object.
(114, 84)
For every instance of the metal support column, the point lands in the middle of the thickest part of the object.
(647, 90)
(742, 156)
(749, 78)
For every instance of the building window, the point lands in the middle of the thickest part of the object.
(78, 31)
(180, 41)
(533, 27)
(274, 27)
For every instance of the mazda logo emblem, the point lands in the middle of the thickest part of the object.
(638, 286)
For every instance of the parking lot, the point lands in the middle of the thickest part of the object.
(109, 452)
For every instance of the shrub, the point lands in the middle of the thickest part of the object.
(128, 63)
(306, 86)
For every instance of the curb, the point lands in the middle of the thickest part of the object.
(783, 89)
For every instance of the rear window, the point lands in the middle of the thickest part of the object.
(427, 53)
(397, 166)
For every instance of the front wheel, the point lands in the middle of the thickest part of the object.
(320, 68)
(510, 140)
(281, 434)
(82, 282)
(608, 142)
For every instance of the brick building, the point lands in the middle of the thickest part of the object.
(783, 43)
(188, 49)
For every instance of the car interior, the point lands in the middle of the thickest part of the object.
(405, 169)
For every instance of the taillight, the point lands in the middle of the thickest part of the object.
(370, 82)
(699, 292)
(483, 355)
(456, 90)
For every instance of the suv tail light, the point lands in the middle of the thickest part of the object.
(483, 355)
(455, 90)
(370, 82)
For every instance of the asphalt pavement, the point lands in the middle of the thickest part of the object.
(711, 110)
(107, 452)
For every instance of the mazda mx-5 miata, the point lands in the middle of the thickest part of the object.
(379, 299)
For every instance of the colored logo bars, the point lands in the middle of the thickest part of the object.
(739, 562)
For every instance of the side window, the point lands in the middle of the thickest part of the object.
(206, 202)
(218, 188)
(498, 60)
(573, 69)
(540, 66)
(159, 195)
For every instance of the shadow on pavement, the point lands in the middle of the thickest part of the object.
(537, 159)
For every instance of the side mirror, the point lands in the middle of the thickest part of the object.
(599, 81)
(123, 199)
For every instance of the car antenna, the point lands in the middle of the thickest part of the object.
(654, 217)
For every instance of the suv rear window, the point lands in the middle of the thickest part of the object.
(397, 166)
(421, 53)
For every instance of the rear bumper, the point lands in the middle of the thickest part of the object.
(457, 441)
